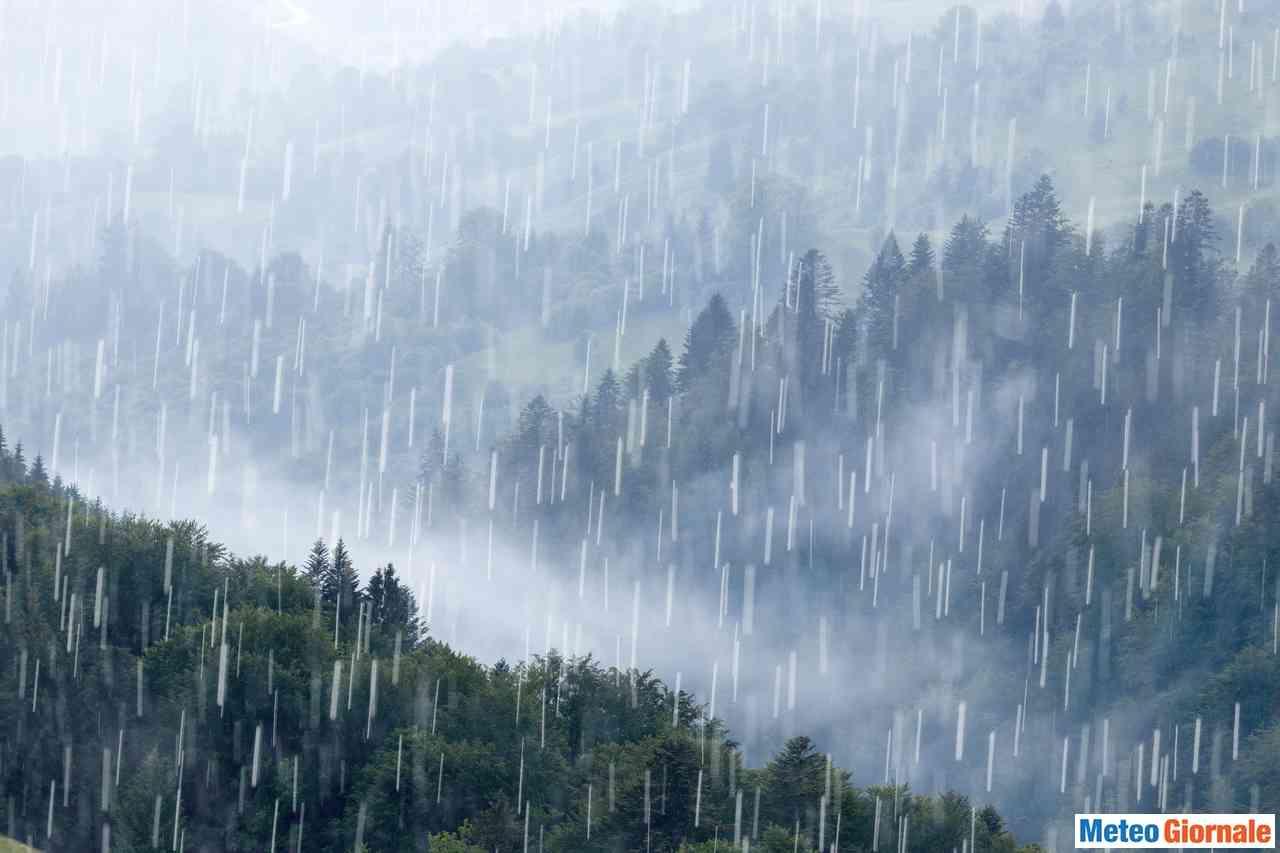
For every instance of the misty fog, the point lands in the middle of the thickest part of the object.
(947, 296)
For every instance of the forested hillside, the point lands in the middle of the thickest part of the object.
(621, 402)
(1038, 464)
(167, 695)
(1057, 499)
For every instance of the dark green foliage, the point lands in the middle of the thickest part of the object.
(443, 754)
(658, 373)
(316, 568)
(880, 291)
(795, 782)
(1194, 256)
(37, 474)
(921, 261)
(708, 345)
(392, 609)
(340, 586)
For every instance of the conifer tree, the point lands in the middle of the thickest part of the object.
(606, 408)
(921, 256)
(1194, 255)
(1036, 231)
(446, 475)
(657, 372)
(534, 427)
(815, 295)
(633, 382)
(880, 288)
(965, 260)
(795, 779)
(708, 345)
(18, 463)
(392, 606)
(317, 564)
(38, 474)
(341, 587)
(1260, 284)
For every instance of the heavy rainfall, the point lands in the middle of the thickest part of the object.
(776, 425)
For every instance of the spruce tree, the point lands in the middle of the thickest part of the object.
(1194, 255)
(392, 607)
(606, 414)
(845, 356)
(880, 288)
(376, 594)
(341, 586)
(1261, 283)
(657, 372)
(607, 408)
(534, 427)
(921, 256)
(709, 343)
(922, 270)
(816, 294)
(965, 260)
(38, 474)
(633, 383)
(795, 779)
(1036, 231)
(317, 564)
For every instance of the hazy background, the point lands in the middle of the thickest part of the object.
(265, 150)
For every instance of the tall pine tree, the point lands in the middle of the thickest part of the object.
(392, 608)
(658, 373)
(880, 288)
(317, 565)
(341, 587)
(709, 343)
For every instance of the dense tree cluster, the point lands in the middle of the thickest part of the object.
(168, 689)
(1085, 399)
(987, 509)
